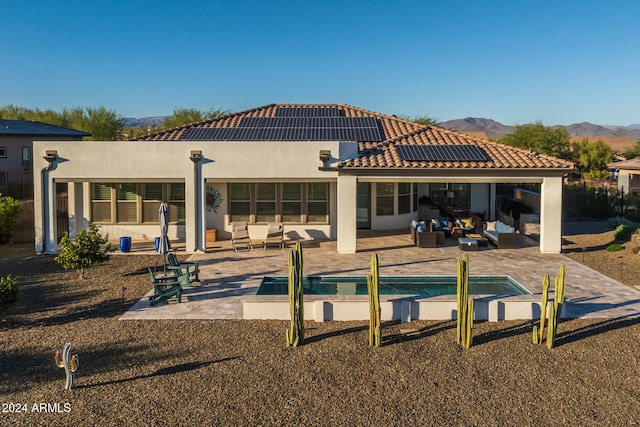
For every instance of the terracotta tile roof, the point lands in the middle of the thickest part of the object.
(381, 155)
(385, 155)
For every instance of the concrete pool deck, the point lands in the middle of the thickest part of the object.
(229, 278)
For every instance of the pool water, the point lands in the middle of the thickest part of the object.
(395, 285)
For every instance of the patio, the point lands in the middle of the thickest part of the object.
(228, 277)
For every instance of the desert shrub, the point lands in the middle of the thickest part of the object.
(88, 249)
(9, 209)
(623, 232)
(580, 200)
(8, 290)
(615, 247)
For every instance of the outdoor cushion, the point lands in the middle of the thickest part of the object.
(421, 228)
(240, 228)
(501, 227)
(414, 223)
(491, 226)
(467, 222)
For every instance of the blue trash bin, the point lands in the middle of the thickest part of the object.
(156, 242)
(125, 244)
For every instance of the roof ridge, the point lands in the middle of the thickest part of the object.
(205, 121)
(375, 113)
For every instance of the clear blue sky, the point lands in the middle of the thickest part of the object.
(514, 61)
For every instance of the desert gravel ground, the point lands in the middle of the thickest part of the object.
(216, 372)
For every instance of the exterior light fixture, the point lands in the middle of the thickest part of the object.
(325, 156)
(51, 156)
(196, 156)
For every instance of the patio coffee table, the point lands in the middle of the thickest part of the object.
(482, 242)
(467, 244)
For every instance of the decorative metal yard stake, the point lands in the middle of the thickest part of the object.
(70, 364)
(373, 285)
(295, 334)
(464, 327)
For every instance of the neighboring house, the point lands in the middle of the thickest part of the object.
(325, 170)
(628, 175)
(16, 148)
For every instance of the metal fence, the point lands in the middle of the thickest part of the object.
(24, 230)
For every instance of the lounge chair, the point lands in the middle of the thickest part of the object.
(164, 288)
(275, 235)
(240, 236)
(184, 268)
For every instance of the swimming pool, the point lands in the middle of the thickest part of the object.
(395, 285)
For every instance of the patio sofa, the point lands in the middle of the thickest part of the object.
(500, 234)
(421, 236)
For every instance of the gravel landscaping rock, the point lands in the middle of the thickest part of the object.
(176, 372)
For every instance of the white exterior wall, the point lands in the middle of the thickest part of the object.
(551, 215)
(158, 161)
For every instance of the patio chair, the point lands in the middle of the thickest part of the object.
(275, 235)
(240, 236)
(184, 268)
(164, 288)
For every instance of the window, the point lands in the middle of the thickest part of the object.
(126, 203)
(151, 199)
(26, 159)
(317, 202)
(240, 202)
(266, 202)
(3, 152)
(404, 198)
(415, 196)
(136, 203)
(285, 202)
(176, 202)
(461, 194)
(384, 198)
(291, 202)
(101, 202)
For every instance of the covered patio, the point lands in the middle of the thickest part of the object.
(230, 278)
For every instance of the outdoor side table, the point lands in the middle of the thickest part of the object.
(467, 244)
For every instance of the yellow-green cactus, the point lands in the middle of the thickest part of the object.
(464, 326)
(295, 334)
(373, 285)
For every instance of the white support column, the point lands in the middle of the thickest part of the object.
(551, 215)
(191, 212)
(74, 190)
(347, 225)
(39, 200)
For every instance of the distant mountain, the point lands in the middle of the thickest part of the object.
(490, 127)
(497, 130)
(144, 122)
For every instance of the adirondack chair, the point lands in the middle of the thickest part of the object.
(164, 288)
(187, 271)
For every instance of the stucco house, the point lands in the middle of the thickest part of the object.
(16, 159)
(628, 172)
(324, 170)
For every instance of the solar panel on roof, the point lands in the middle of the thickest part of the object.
(282, 134)
(442, 153)
(308, 112)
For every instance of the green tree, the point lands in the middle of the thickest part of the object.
(590, 156)
(184, 116)
(101, 123)
(9, 209)
(88, 249)
(424, 120)
(634, 152)
(541, 139)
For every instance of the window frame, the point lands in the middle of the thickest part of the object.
(305, 202)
